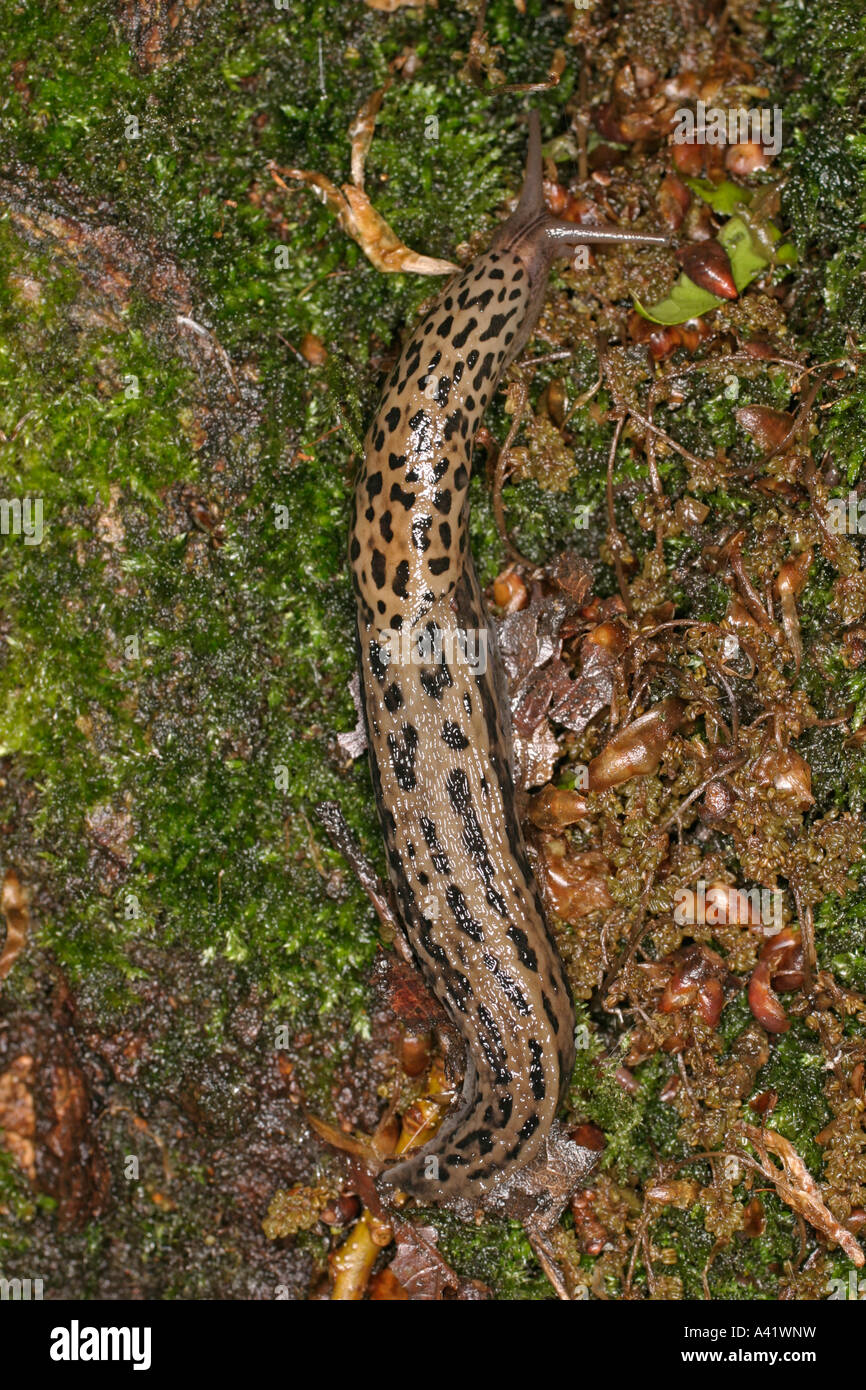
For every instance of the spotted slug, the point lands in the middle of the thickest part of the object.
(437, 718)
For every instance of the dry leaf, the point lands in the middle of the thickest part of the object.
(535, 758)
(390, 6)
(354, 211)
(385, 1287)
(18, 1113)
(418, 1265)
(354, 743)
(798, 1188)
(14, 906)
(360, 220)
(361, 133)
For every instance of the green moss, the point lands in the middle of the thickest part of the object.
(173, 783)
(497, 1253)
(840, 936)
(797, 1074)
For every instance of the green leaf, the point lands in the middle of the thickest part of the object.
(687, 300)
(723, 198)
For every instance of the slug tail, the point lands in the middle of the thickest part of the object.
(475, 1145)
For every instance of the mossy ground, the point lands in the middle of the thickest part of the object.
(176, 651)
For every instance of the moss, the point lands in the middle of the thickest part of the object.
(839, 936)
(497, 1253)
(161, 793)
(797, 1074)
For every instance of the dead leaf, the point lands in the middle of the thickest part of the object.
(112, 829)
(18, 1113)
(361, 133)
(354, 743)
(391, 6)
(71, 1165)
(400, 986)
(527, 639)
(535, 758)
(15, 908)
(360, 220)
(796, 1186)
(386, 1287)
(419, 1267)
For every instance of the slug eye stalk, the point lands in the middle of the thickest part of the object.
(568, 234)
(534, 235)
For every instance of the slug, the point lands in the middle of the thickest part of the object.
(437, 717)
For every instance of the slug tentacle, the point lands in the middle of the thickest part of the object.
(437, 720)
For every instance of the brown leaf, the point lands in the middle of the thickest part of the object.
(572, 574)
(524, 643)
(574, 884)
(17, 1113)
(402, 987)
(386, 1287)
(536, 757)
(15, 909)
(419, 1267)
(70, 1164)
(360, 220)
(796, 1186)
(555, 807)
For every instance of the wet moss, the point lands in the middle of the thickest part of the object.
(174, 777)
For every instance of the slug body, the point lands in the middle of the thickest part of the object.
(437, 716)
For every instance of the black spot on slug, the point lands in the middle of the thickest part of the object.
(525, 953)
(420, 528)
(457, 787)
(462, 916)
(397, 494)
(437, 853)
(403, 756)
(435, 681)
(377, 665)
(401, 580)
(453, 736)
(393, 697)
(377, 568)
(460, 339)
(536, 1070)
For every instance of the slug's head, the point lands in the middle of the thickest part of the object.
(536, 237)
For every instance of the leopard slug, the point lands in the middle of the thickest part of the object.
(437, 718)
